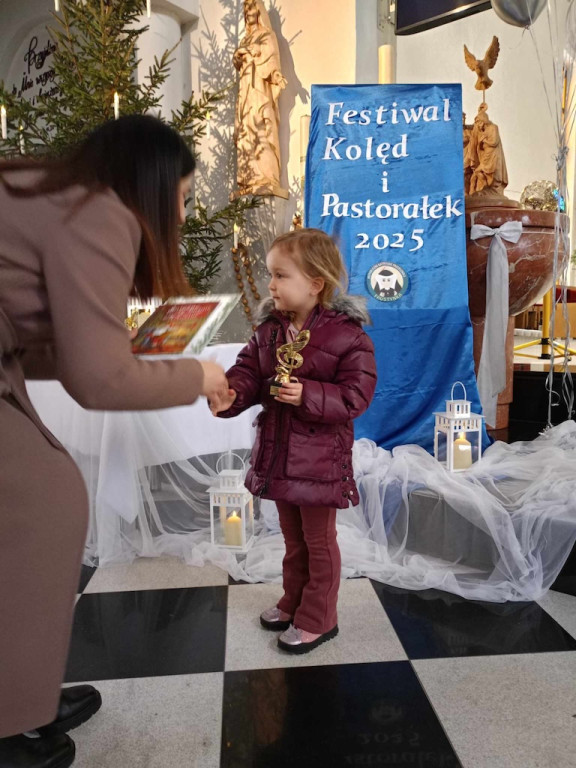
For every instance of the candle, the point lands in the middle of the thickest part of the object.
(304, 135)
(386, 64)
(116, 105)
(462, 452)
(236, 230)
(22, 145)
(4, 121)
(149, 8)
(208, 117)
(56, 5)
(233, 531)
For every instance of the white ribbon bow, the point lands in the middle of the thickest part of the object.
(492, 368)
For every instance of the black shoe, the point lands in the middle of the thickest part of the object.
(47, 752)
(77, 704)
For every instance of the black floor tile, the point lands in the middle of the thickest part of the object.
(331, 717)
(566, 579)
(86, 573)
(233, 582)
(148, 633)
(433, 624)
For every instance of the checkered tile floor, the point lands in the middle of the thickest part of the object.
(190, 680)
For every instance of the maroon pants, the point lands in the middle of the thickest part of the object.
(311, 566)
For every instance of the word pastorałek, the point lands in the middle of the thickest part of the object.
(368, 209)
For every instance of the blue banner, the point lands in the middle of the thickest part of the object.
(384, 178)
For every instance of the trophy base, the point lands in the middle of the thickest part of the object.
(275, 390)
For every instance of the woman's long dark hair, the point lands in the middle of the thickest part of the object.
(143, 160)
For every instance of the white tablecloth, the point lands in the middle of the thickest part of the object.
(191, 430)
(134, 460)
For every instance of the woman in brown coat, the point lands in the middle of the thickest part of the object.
(77, 237)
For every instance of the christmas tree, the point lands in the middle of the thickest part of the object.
(95, 61)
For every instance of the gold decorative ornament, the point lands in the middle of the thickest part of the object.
(540, 196)
(243, 271)
(289, 358)
(137, 318)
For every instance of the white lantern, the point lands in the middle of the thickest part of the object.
(457, 434)
(231, 512)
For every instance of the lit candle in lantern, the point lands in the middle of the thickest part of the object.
(462, 452)
(22, 144)
(236, 231)
(149, 8)
(4, 121)
(56, 5)
(233, 530)
(116, 105)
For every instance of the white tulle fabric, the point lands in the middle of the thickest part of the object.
(499, 531)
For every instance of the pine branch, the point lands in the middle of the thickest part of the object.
(96, 57)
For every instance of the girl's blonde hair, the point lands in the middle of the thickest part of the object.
(317, 256)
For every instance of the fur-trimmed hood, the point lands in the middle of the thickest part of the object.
(353, 306)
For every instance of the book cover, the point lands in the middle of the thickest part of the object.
(183, 325)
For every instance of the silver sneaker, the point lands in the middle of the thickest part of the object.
(291, 640)
(270, 619)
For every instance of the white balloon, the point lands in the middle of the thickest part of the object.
(570, 38)
(519, 13)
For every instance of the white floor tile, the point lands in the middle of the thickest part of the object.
(366, 634)
(506, 711)
(154, 722)
(154, 573)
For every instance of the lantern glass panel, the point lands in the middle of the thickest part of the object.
(440, 446)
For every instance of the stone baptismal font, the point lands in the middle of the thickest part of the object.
(527, 236)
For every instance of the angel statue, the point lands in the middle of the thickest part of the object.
(256, 134)
(481, 66)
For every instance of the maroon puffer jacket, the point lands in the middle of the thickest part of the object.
(303, 454)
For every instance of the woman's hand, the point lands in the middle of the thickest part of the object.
(215, 380)
(291, 393)
(221, 401)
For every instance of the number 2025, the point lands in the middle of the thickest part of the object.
(381, 241)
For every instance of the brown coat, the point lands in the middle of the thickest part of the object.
(65, 274)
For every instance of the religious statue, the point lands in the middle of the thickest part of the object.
(485, 173)
(481, 66)
(485, 157)
(256, 128)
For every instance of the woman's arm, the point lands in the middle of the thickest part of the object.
(88, 261)
(245, 379)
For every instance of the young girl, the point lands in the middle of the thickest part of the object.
(302, 456)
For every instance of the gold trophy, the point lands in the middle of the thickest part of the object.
(289, 358)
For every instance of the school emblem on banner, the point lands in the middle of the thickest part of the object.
(384, 178)
(387, 281)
